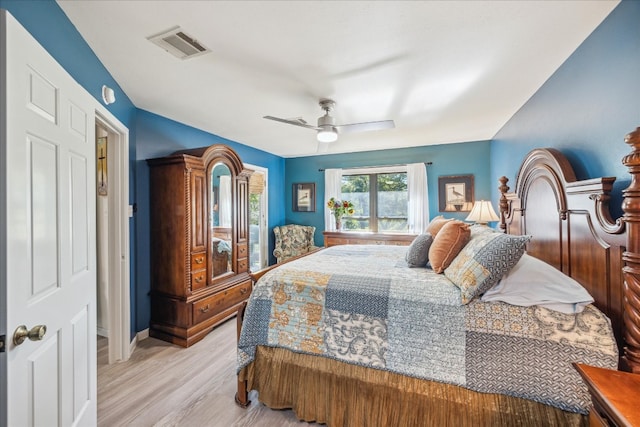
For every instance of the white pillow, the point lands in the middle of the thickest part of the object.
(534, 282)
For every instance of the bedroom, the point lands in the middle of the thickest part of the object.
(598, 81)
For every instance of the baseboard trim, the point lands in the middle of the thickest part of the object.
(143, 334)
(103, 332)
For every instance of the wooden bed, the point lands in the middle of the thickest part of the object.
(572, 230)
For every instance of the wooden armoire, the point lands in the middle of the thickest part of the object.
(199, 241)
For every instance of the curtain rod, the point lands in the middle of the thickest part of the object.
(383, 166)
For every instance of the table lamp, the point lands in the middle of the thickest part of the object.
(482, 213)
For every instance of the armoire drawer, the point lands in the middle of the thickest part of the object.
(242, 250)
(198, 261)
(198, 280)
(217, 303)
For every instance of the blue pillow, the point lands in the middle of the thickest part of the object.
(418, 253)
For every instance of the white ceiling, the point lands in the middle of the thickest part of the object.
(445, 71)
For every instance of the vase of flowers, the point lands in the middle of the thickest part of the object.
(339, 208)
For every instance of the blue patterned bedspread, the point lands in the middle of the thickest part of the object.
(362, 304)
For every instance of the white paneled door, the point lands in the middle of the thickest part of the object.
(47, 201)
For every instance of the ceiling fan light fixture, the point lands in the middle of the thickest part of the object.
(327, 135)
(327, 129)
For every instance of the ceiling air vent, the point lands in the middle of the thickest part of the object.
(178, 43)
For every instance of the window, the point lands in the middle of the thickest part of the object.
(380, 200)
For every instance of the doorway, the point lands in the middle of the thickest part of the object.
(102, 231)
(112, 233)
(258, 218)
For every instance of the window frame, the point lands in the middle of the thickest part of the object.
(373, 193)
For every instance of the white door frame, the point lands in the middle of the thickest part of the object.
(264, 221)
(119, 245)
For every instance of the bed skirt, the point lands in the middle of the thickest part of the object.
(339, 394)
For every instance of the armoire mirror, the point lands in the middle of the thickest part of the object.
(221, 220)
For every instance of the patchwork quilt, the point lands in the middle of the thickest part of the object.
(361, 304)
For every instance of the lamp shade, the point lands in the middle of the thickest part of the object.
(482, 213)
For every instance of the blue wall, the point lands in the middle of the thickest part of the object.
(448, 159)
(585, 109)
(157, 136)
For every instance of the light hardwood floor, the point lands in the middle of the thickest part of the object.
(166, 385)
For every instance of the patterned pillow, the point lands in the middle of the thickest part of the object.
(483, 261)
(418, 253)
(447, 244)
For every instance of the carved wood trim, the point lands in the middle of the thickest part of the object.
(550, 164)
(219, 152)
(631, 209)
(504, 204)
(187, 228)
(598, 190)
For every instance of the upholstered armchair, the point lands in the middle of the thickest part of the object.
(293, 240)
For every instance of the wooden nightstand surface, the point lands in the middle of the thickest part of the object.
(332, 238)
(615, 394)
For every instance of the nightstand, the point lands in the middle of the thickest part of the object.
(614, 394)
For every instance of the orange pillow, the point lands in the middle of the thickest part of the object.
(451, 238)
(436, 224)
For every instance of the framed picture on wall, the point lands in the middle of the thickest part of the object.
(455, 193)
(304, 197)
(101, 165)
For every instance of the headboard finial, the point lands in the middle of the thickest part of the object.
(504, 205)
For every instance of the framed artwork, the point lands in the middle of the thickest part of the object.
(304, 197)
(455, 193)
(101, 165)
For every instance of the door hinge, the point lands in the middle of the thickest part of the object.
(2, 337)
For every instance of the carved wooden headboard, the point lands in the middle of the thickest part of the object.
(573, 230)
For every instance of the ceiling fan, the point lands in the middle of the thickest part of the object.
(328, 130)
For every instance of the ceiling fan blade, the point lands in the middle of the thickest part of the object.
(364, 127)
(292, 122)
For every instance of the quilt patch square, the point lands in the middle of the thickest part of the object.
(357, 294)
(255, 328)
(295, 320)
(543, 373)
(356, 338)
(429, 342)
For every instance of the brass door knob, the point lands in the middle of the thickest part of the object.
(34, 334)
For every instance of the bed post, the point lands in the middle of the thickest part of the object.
(631, 257)
(242, 394)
